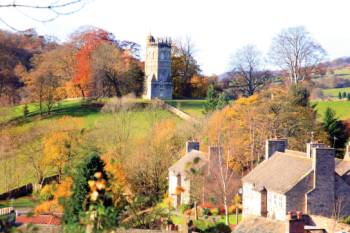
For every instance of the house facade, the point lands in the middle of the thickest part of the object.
(313, 182)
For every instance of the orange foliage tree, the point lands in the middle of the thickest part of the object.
(86, 41)
(63, 190)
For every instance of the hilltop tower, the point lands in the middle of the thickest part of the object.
(158, 83)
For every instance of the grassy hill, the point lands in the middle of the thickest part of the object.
(100, 127)
(342, 108)
(333, 92)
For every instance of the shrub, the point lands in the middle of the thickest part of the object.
(219, 228)
(347, 220)
(184, 207)
(214, 211)
(47, 192)
(205, 211)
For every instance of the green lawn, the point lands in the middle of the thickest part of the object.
(194, 108)
(204, 223)
(23, 202)
(99, 127)
(342, 108)
(333, 92)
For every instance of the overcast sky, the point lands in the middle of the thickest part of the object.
(217, 27)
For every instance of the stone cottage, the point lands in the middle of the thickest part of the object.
(193, 177)
(313, 182)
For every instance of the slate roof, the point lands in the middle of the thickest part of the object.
(342, 167)
(193, 160)
(283, 171)
(280, 173)
(260, 225)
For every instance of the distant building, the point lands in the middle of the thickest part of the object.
(314, 182)
(158, 82)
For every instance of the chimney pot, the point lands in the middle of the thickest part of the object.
(191, 145)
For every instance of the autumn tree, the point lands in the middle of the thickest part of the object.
(46, 81)
(183, 66)
(86, 40)
(59, 146)
(295, 51)
(116, 72)
(247, 72)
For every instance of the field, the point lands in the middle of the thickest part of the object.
(342, 108)
(334, 92)
(342, 73)
(99, 127)
(192, 107)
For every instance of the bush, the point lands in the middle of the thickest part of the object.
(347, 220)
(205, 211)
(47, 192)
(214, 211)
(219, 228)
(184, 207)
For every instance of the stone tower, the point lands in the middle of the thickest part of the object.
(158, 83)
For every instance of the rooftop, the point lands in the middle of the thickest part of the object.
(281, 172)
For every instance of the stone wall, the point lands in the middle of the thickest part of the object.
(276, 205)
(251, 200)
(296, 196)
(178, 112)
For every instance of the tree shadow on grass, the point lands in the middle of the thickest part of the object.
(76, 109)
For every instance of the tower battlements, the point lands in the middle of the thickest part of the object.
(161, 41)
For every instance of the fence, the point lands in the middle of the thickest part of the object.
(26, 189)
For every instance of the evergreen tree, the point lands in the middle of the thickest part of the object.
(223, 100)
(340, 95)
(335, 129)
(344, 95)
(211, 100)
(77, 204)
(349, 96)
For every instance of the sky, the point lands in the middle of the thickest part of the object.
(217, 28)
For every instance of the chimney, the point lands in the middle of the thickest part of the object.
(295, 223)
(274, 145)
(191, 145)
(214, 153)
(320, 201)
(311, 145)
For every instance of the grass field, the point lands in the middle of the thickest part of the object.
(194, 108)
(342, 108)
(334, 92)
(342, 73)
(23, 202)
(99, 127)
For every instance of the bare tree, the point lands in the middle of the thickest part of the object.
(247, 73)
(295, 51)
(53, 9)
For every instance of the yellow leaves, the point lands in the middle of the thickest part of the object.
(247, 100)
(179, 190)
(63, 190)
